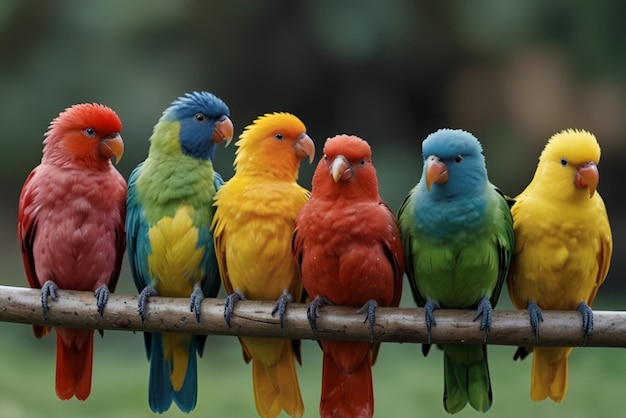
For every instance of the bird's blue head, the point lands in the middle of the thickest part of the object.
(453, 164)
(204, 121)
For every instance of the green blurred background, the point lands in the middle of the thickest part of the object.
(512, 73)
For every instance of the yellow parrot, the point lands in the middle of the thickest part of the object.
(253, 226)
(563, 248)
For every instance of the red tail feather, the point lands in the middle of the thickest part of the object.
(74, 363)
(40, 331)
(346, 392)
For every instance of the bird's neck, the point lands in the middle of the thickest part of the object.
(257, 167)
(556, 190)
(174, 181)
(62, 160)
(444, 216)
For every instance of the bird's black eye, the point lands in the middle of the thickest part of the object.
(362, 162)
(563, 162)
(458, 158)
(325, 157)
(90, 132)
(199, 117)
(279, 137)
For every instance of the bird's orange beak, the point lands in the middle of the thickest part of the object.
(112, 146)
(223, 131)
(436, 171)
(304, 147)
(340, 169)
(587, 176)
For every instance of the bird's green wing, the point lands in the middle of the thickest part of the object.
(406, 222)
(504, 239)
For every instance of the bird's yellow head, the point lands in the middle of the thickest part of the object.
(568, 163)
(273, 145)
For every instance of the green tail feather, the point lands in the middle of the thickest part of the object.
(466, 378)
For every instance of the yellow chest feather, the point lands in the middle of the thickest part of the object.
(175, 262)
(560, 254)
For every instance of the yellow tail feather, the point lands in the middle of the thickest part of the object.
(176, 352)
(276, 387)
(549, 374)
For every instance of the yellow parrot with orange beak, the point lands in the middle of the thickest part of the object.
(563, 248)
(253, 226)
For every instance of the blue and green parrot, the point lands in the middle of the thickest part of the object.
(170, 243)
(457, 233)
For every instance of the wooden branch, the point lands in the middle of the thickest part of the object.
(74, 309)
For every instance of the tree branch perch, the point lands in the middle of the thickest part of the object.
(74, 309)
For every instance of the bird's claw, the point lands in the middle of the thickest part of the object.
(429, 317)
(146, 293)
(484, 310)
(587, 314)
(312, 312)
(281, 306)
(521, 353)
(102, 297)
(229, 305)
(536, 316)
(195, 301)
(49, 288)
(370, 307)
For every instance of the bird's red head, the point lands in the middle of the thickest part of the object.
(88, 134)
(346, 163)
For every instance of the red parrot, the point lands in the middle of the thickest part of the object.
(71, 227)
(348, 248)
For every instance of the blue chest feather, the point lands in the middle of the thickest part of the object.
(449, 217)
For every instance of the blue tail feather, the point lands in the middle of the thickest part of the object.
(186, 397)
(160, 390)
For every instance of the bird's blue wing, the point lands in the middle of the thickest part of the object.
(137, 242)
